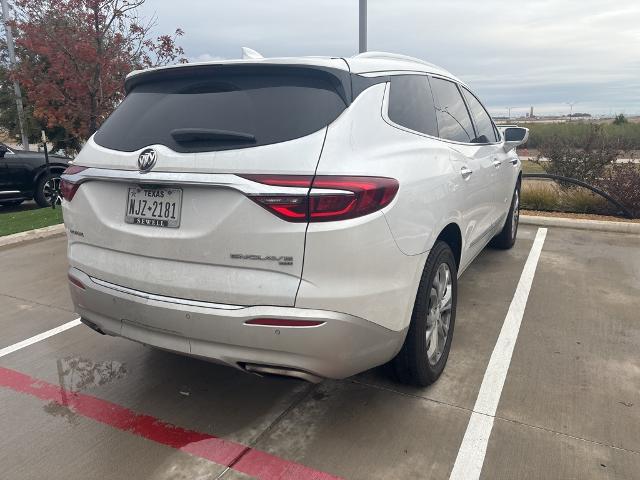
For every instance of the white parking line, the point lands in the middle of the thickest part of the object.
(37, 338)
(470, 459)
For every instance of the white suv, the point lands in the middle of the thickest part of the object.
(306, 217)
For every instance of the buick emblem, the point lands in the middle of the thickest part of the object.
(147, 160)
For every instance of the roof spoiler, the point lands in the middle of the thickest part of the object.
(250, 54)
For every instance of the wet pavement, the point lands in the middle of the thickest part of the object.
(79, 405)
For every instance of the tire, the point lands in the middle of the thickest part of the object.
(11, 203)
(419, 362)
(507, 237)
(43, 194)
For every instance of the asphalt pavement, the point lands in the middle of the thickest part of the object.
(562, 326)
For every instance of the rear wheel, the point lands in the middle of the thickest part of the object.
(48, 190)
(426, 347)
(507, 237)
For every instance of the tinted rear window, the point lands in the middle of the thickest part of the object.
(223, 108)
(411, 104)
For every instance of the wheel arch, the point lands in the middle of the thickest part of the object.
(452, 236)
(54, 167)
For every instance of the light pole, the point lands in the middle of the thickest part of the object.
(16, 85)
(571, 104)
(362, 44)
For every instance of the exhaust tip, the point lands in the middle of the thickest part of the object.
(276, 371)
(92, 326)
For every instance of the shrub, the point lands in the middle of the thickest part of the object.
(620, 119)
(575, 133)
(622, 181)
(587, 163)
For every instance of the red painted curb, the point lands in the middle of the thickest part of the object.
(239, 457)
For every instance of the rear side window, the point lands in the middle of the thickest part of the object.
(223, 108)
(486, 132)
(453, 118)
(411, 104)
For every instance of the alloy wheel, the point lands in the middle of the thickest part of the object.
(515, 218)
(51, 191)
(439, 314)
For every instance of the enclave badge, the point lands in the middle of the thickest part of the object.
(147, 160)
(282, 259)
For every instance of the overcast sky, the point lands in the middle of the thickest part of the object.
(513, 53)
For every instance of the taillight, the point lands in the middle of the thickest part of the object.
(328, 197)
(68, 189)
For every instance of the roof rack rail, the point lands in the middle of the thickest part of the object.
(393, 56)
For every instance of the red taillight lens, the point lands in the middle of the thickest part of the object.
(68, 189)
(367, 195)
(356, 196)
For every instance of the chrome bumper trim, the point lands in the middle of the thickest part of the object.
(162, 298)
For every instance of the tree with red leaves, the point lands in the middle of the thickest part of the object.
(74, 56)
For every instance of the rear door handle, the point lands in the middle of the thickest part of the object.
(465, 172)
(514, 161)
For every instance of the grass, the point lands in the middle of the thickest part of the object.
(531, 167)
(549, 197)
(19, 219)
(538, 196)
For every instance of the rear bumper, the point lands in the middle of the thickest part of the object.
(341, 346)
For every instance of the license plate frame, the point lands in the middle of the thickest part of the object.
(156, 206)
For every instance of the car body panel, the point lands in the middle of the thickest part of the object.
(220, 333)
(218, 222)
(185, 290)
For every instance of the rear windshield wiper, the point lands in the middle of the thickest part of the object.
(193, 135)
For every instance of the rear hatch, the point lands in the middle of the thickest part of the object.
(168, 201)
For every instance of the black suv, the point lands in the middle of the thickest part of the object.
(23, 176)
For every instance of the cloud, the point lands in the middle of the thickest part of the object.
(204, 57)
(522, 52)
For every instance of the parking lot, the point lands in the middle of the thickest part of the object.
(81, 405)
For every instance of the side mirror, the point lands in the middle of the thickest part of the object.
(514, 137)
(3, 150)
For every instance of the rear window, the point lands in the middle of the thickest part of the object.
(195, 110)
(411, 104)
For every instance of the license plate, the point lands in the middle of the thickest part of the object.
(154, 207)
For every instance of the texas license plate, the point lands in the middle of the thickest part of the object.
(154, 207)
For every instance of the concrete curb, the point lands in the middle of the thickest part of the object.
(36, 234)
(581, 224)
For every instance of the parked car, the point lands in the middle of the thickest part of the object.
(305, 217)
(23, 176)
